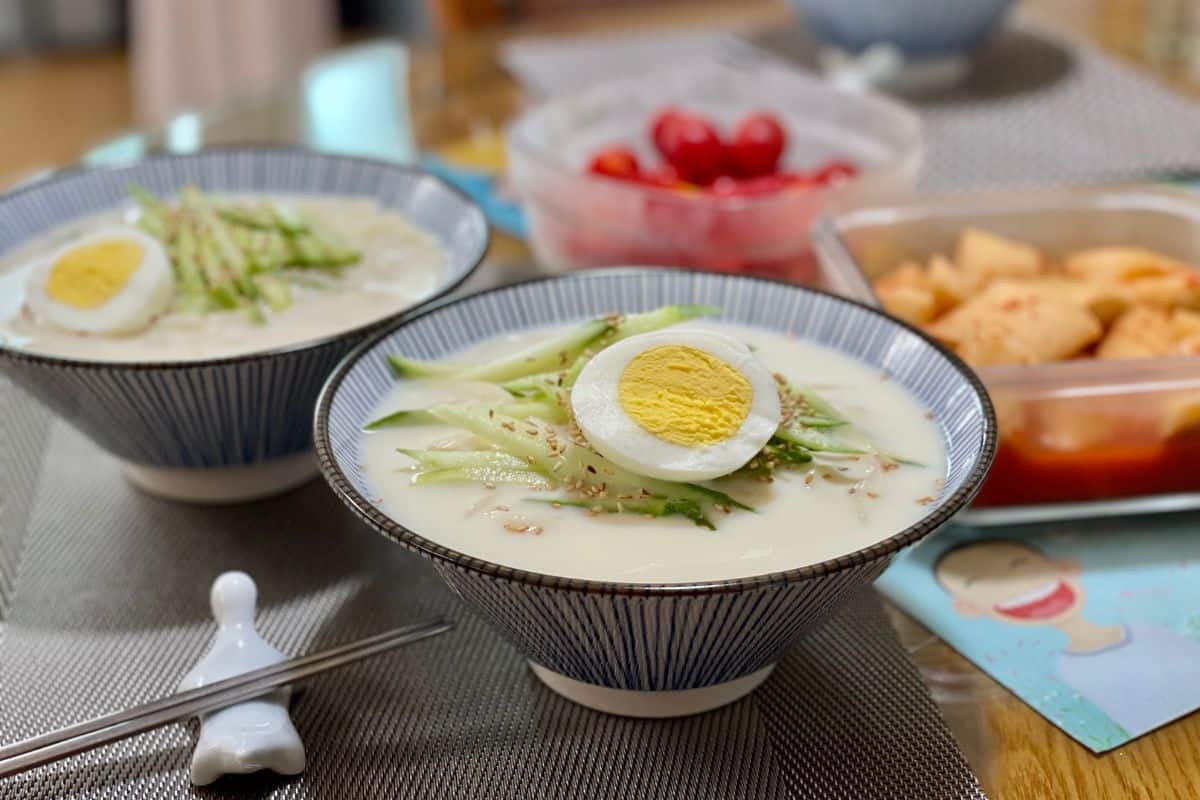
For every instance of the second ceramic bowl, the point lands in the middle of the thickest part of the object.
(233, 428)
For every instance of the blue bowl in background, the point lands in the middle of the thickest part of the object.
(920, 29)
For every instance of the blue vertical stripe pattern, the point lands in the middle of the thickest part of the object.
(650, 636)
(230, 411)
(919, 28)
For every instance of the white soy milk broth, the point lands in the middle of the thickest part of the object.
(797, 522)
(400, 266)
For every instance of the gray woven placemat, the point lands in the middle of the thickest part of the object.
(21, 446)
(110, 609)
(1040, 107)
(1045, 108)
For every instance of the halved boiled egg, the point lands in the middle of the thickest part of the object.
(116, 280)
(683, 405)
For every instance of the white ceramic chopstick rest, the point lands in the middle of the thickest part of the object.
(256, 734)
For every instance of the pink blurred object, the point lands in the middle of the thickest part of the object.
(196, 53)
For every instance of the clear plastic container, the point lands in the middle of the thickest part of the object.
(1078, 438)
(582, 220)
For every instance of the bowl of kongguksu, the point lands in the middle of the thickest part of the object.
(653, 482)
(183, 311)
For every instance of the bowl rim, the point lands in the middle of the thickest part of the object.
(332, 472)
(518, 140)
(76, 170)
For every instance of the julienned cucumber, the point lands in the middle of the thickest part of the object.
(588, 470)
(562, 353)
(555, 353)
(650, 506)
(451, 459)
(403, 367)
(659, 318)
(480, 466)
(818, 422)
(532, 385)
(813, 439)
(821, 408)
(225, 257)
(547, 409)
(524, 477)
(788, 453)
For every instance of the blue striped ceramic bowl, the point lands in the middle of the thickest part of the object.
(226, 428)
(692, 645)
(920, 28)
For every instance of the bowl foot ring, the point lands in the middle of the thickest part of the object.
(654, 705)
(239, 484)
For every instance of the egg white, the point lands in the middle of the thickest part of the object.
(148, 292)
(618, 437)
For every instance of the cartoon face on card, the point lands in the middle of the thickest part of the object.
(1097, 626)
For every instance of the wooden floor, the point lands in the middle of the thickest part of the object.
(52, 108)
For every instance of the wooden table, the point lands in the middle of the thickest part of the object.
(457, 87)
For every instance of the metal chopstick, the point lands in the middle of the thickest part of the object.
(39, 750)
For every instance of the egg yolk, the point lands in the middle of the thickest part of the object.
(684, 396)
(89, 275)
